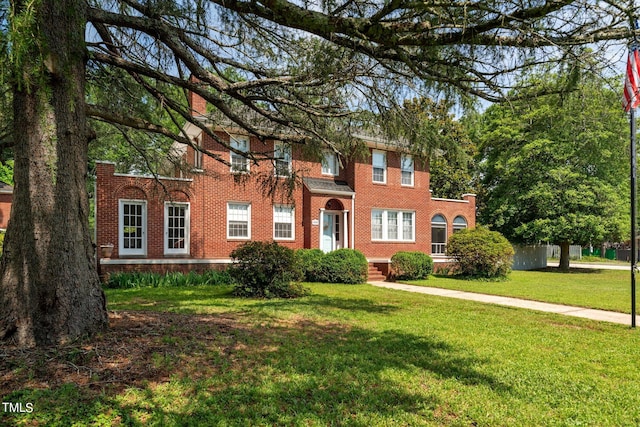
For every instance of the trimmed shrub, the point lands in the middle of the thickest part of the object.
(411, 265)
(157, 280)
(481, 253)
(265, 270)
(344, 266)
(310, 262)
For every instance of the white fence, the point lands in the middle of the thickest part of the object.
(529, 257)
(575, 251)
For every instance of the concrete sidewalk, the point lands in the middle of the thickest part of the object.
(587, 313)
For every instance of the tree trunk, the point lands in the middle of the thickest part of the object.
(564, 257)
(49, 290)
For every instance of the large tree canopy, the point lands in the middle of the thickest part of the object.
(555, 169)
(300, 70)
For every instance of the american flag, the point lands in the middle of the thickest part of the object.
(632, 80)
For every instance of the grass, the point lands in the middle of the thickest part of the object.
(600, 289)
(350, 355)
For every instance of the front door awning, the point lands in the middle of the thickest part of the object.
(328, 186)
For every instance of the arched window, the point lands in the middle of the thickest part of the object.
(459, 223)
(438, 234)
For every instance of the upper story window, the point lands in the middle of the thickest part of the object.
(239, 163)
(330, 163)
(379, 161)
(197, 154)
(406, 165)
(282, 159)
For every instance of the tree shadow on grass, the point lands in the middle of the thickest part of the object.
(572, 270)
(239, 369)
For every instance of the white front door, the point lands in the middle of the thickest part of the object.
(331, 231)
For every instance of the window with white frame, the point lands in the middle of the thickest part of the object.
(438, 234)
(239, 163)
(132, 227)
(283, 222)
(459, 223)
(239, 220)
(379, 162)
(282, 159)
(197, 154)
(406, 166)
(176, 228)
(330, 163)
(392, 225)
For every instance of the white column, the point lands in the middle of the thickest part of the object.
(321, 228)
(345, 232)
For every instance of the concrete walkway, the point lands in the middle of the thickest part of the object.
(587, 313)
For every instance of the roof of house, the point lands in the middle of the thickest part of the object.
(328, 186)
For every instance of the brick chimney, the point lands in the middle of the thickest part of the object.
(197, 103)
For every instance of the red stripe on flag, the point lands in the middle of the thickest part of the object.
(632, 81)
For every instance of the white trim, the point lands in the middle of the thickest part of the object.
(248, 236)
(399, 225)
(412, 170)
(449, 200)
(293, 223)
(335, 167)
(147, 176)
(122, 251)
(160, 261)
(234, 141)
(286, 150)
(187, 229)
(373, 166)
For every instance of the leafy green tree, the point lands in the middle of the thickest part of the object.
(554, 169)
(304, 68)
(437, 138)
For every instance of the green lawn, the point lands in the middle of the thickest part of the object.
(602, 289)
(346, 355)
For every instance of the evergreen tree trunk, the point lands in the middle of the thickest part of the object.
(49, 290)
(564, 256)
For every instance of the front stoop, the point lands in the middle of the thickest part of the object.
(375, 275)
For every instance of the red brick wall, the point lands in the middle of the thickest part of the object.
(209, 192)
(5, 209)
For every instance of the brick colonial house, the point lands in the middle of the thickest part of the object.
(379, 203)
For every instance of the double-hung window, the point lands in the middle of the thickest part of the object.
(239, 163)
(379, 162)
(132, 227)
(238, 220)
(176, 228)
(392, 225)
(406, 165)
(197, 154)
(330, 163)
(282, 159)
(283, 222)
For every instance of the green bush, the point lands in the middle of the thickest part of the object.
(156, 280)
(265, 270)
(411, 265)
(310, 262)
(481, 253)
(343, 266)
